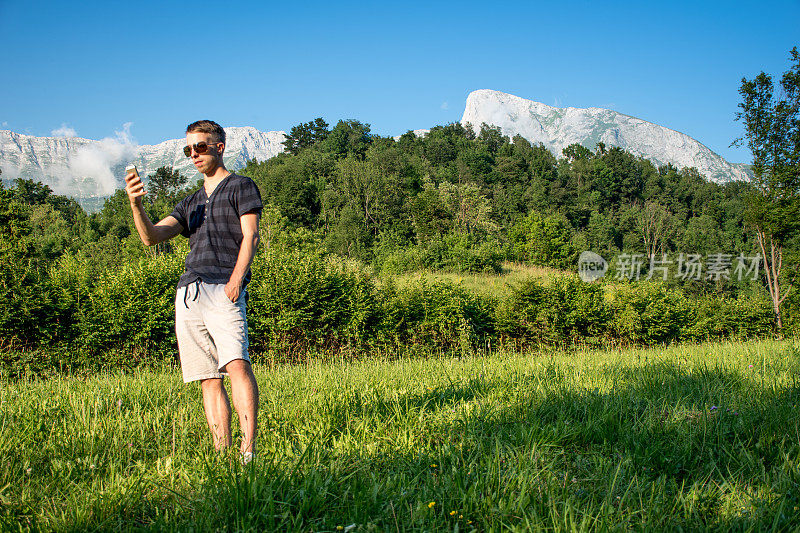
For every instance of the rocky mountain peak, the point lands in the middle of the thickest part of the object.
(558, 127)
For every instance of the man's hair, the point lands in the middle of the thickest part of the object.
(207, 126)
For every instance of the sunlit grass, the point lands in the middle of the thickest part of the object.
(687, 436)
(484, 283)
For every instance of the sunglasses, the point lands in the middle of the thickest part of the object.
(200, 148)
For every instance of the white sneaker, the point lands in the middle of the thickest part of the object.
(247, 457)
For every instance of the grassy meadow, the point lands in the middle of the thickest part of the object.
(691, 437)
(485, 284)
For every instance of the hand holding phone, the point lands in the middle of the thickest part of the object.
(133, 184)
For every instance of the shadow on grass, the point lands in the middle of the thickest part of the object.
(664, 448)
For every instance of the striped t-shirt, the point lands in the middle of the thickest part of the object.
(214, 230)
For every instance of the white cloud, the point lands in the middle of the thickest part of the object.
(90, 168)
(10, 172)
(445, 105)
(64, 131)
(125, 135)
(3, 124)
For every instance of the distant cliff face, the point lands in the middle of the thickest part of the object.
(557, 128)
(243, 144)
(86, 168)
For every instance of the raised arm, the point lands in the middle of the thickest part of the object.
(247, 251)
(150, 233)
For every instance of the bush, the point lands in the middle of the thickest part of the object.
(301, 301)
(438, 316)
(131, 314)
(47, 361)
(716, 317)
(451, 252)
(565, 311)
(31, 312)
(399, 260)
(647, 313)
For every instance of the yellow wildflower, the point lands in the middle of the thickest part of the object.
(452, 513)
(431, 504)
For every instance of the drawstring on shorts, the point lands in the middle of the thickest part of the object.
(196, 292)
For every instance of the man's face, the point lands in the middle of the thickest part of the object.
(209, 161)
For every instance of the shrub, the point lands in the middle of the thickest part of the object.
(305, 300)
(31, 312)
(131, 313)
(565, 311)
(438, 316)
(452, 252)
(646, 313)
(400, 260)
(717, 317)
(46, 361)
(71, 279)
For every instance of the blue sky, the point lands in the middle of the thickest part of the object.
(94, 66)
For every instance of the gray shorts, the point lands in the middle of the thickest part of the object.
(211, 330)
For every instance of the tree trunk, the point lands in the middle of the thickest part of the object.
(773, 263)
(653, 224)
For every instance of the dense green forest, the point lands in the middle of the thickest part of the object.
(449, 200)
(456, 200)
(355, 209)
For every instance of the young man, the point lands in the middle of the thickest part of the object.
(221, 222)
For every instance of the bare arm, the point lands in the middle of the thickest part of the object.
(150, 233)
(247, 251)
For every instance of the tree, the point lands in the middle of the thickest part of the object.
(701, 235)
(576, 151)
(357, 204)
(543, 240)
(601, 148)
(654, 225)
(165, 184)
(429, 214)
(305, 135)
(31, 192)
(492, 138)
(468, 207)
(772, 131)
(348, 137)
(602, 233)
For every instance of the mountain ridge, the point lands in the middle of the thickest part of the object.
(82, 167)
(558, 127)
(86, 168)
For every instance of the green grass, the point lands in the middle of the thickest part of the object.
(693, 437)
(492, 285)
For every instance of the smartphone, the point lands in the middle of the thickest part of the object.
(131, 169)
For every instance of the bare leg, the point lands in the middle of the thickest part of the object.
(245, 400)
(218, 411)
